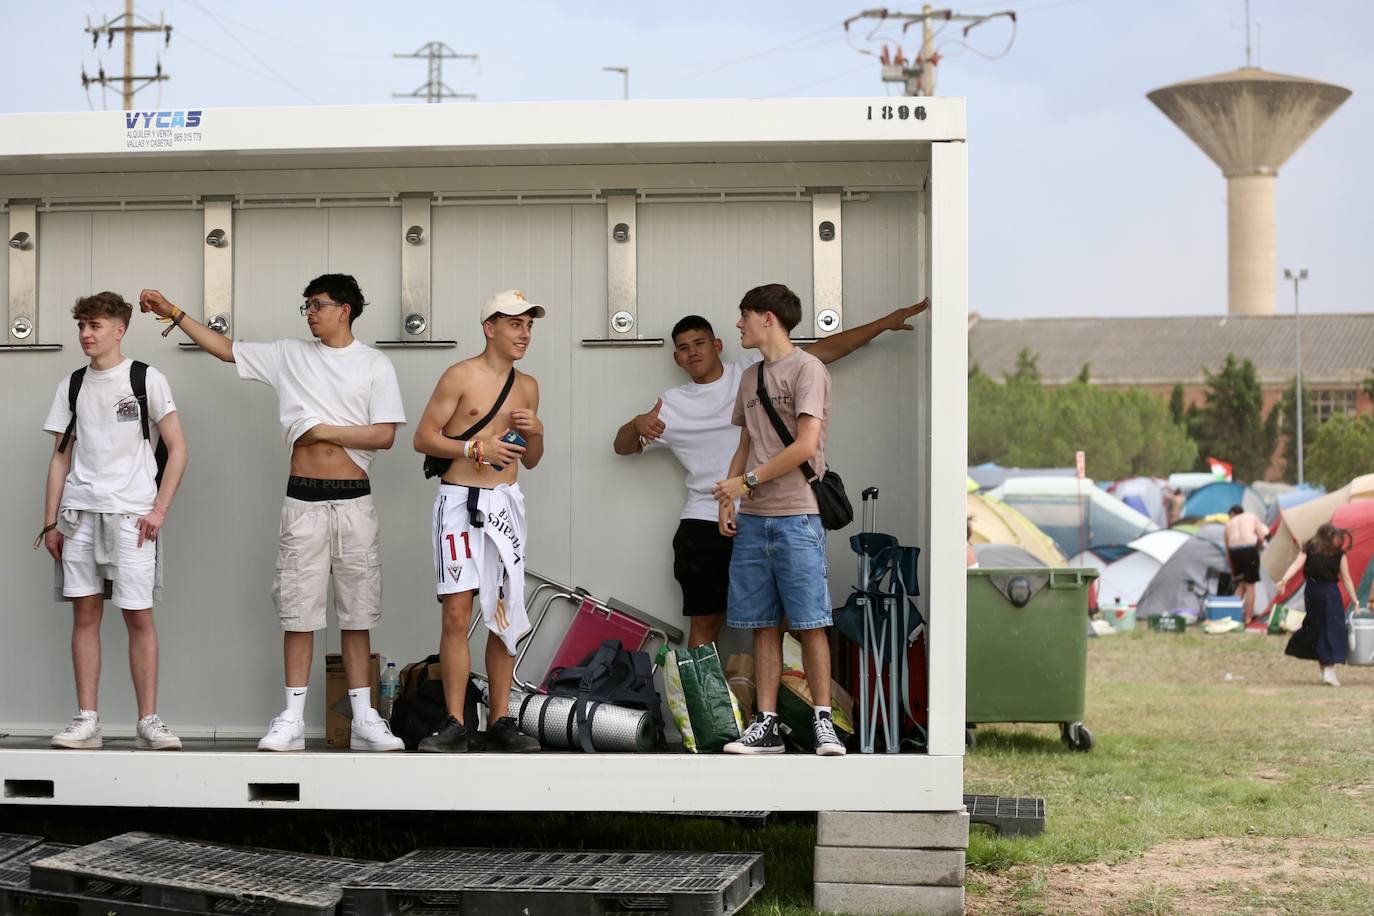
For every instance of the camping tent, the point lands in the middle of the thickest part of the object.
(1059, 505)
(1298, 523)
(1160, 544)
(991, 475)
(1005, 556)
(1143, 495)
(1121, 580)
(1189, 481)
(1189, 576)
(997, 523)
(1358, 518)
(1218, 498)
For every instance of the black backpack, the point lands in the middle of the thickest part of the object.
(138, 380)
(612, 674)
(420, 706)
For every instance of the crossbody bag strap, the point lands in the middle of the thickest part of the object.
(491, 414)
(781, 427)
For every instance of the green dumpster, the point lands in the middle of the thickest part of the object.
(1028, 648)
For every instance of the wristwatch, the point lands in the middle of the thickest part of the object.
(751, 480)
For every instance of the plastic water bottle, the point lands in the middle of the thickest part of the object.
(390, 689)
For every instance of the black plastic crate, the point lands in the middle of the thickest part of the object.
(1008, 816)
(505, 882)
(191, 876)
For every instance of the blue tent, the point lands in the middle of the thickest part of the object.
(1218, 498)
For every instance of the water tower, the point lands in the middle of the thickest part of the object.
(1249, 122)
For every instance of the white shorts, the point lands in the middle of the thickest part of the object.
(333, 538)
(135, 568)
(457, 545)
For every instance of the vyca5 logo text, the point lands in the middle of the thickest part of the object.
(163, 119)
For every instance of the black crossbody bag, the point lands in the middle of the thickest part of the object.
(835, 509)
(437, 467)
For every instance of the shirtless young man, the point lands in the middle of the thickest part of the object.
(1244, 536)
(339, 402)
(479, 515)
(693, 422)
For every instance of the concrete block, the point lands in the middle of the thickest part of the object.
(893, 830)
(908, 867)
(878, 898)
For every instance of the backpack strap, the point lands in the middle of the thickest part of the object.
(597, 668)
(73, 389)
(138, 380)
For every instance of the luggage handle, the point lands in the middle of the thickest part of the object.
(1066, 578)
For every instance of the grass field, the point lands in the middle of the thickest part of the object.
(1205, 795)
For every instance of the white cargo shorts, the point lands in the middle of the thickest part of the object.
(333, 538)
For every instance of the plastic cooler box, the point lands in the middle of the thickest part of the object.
(1361, 640)
(1219, 607)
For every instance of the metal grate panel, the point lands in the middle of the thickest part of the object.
(499, 882)
(206, 877)
(1009, 816)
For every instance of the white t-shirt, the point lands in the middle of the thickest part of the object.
(698, 431)
(338, 386)
(113, 468)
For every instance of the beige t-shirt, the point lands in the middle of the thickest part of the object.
(797, 384)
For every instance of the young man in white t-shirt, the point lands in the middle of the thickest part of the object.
(693, 422)
(339, 403)
(105, 507)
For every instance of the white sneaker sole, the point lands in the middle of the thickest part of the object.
(295, 744)
(830, 750)
(166, 744)
(79, 744)
(753, 751)
(362, 744)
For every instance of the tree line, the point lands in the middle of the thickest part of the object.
(1129, 432)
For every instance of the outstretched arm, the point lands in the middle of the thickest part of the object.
(840, 345)
(150, 300)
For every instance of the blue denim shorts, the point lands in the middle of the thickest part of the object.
(778, 570)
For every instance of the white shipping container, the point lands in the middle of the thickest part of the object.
(719, 196)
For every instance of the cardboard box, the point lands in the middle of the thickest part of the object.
(338, 714)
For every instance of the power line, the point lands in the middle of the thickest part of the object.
(917, 75)
(128, 24)
(434, 89)
(253, 54)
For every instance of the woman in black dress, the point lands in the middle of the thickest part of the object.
(1322, 634)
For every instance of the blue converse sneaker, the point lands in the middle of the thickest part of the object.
(761, 737)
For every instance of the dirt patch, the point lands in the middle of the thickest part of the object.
(1193, 877)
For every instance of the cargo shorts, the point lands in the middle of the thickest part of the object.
(334, 539)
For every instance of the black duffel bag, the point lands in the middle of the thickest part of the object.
(420, 708)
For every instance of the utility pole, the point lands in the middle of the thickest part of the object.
(128, 23)
(1297, 276)
(625, 73)
(918, 77)
(435, 90)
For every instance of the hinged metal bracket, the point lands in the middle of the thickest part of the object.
(21, 316)
(219, 241)
(827, 262)
(416, 275)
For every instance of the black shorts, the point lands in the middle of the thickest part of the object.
(1245, 564)
(701, 565)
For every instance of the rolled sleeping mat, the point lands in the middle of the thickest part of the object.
(553, 722)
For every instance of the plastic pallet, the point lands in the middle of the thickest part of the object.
(752, 818)
(166, 874)
(504, 882)
(1008, 816)
(11, 844)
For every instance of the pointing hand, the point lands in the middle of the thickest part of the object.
(897, 319)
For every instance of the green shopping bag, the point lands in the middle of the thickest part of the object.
(699, 698)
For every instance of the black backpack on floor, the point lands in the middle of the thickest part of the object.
(612, 674)
(420, 706)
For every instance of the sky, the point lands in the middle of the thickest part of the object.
(1084, 198)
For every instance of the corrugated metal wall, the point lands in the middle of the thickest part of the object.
(596, 519)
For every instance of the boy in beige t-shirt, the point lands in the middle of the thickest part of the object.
(778, 565)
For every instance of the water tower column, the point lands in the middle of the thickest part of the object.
(1250, 242)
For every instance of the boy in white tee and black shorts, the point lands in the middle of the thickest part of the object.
(693, 422)
(108, 492)
(339, 403)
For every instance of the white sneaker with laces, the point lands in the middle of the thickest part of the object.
(373, 734)
(1329, 676)
(82, 733)
(761, 737)
(154, 735)
(284, 734)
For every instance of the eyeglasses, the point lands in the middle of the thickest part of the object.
(315, 306)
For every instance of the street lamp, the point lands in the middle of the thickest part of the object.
(1297, 277)
(625, 73)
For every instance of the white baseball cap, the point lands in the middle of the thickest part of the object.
(511, 302)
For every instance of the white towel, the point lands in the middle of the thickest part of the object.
(501, 563)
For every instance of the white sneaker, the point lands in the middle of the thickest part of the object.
(373, 734)
(1329, 677)
(82, 733)
(154, 735)
(284, 734)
